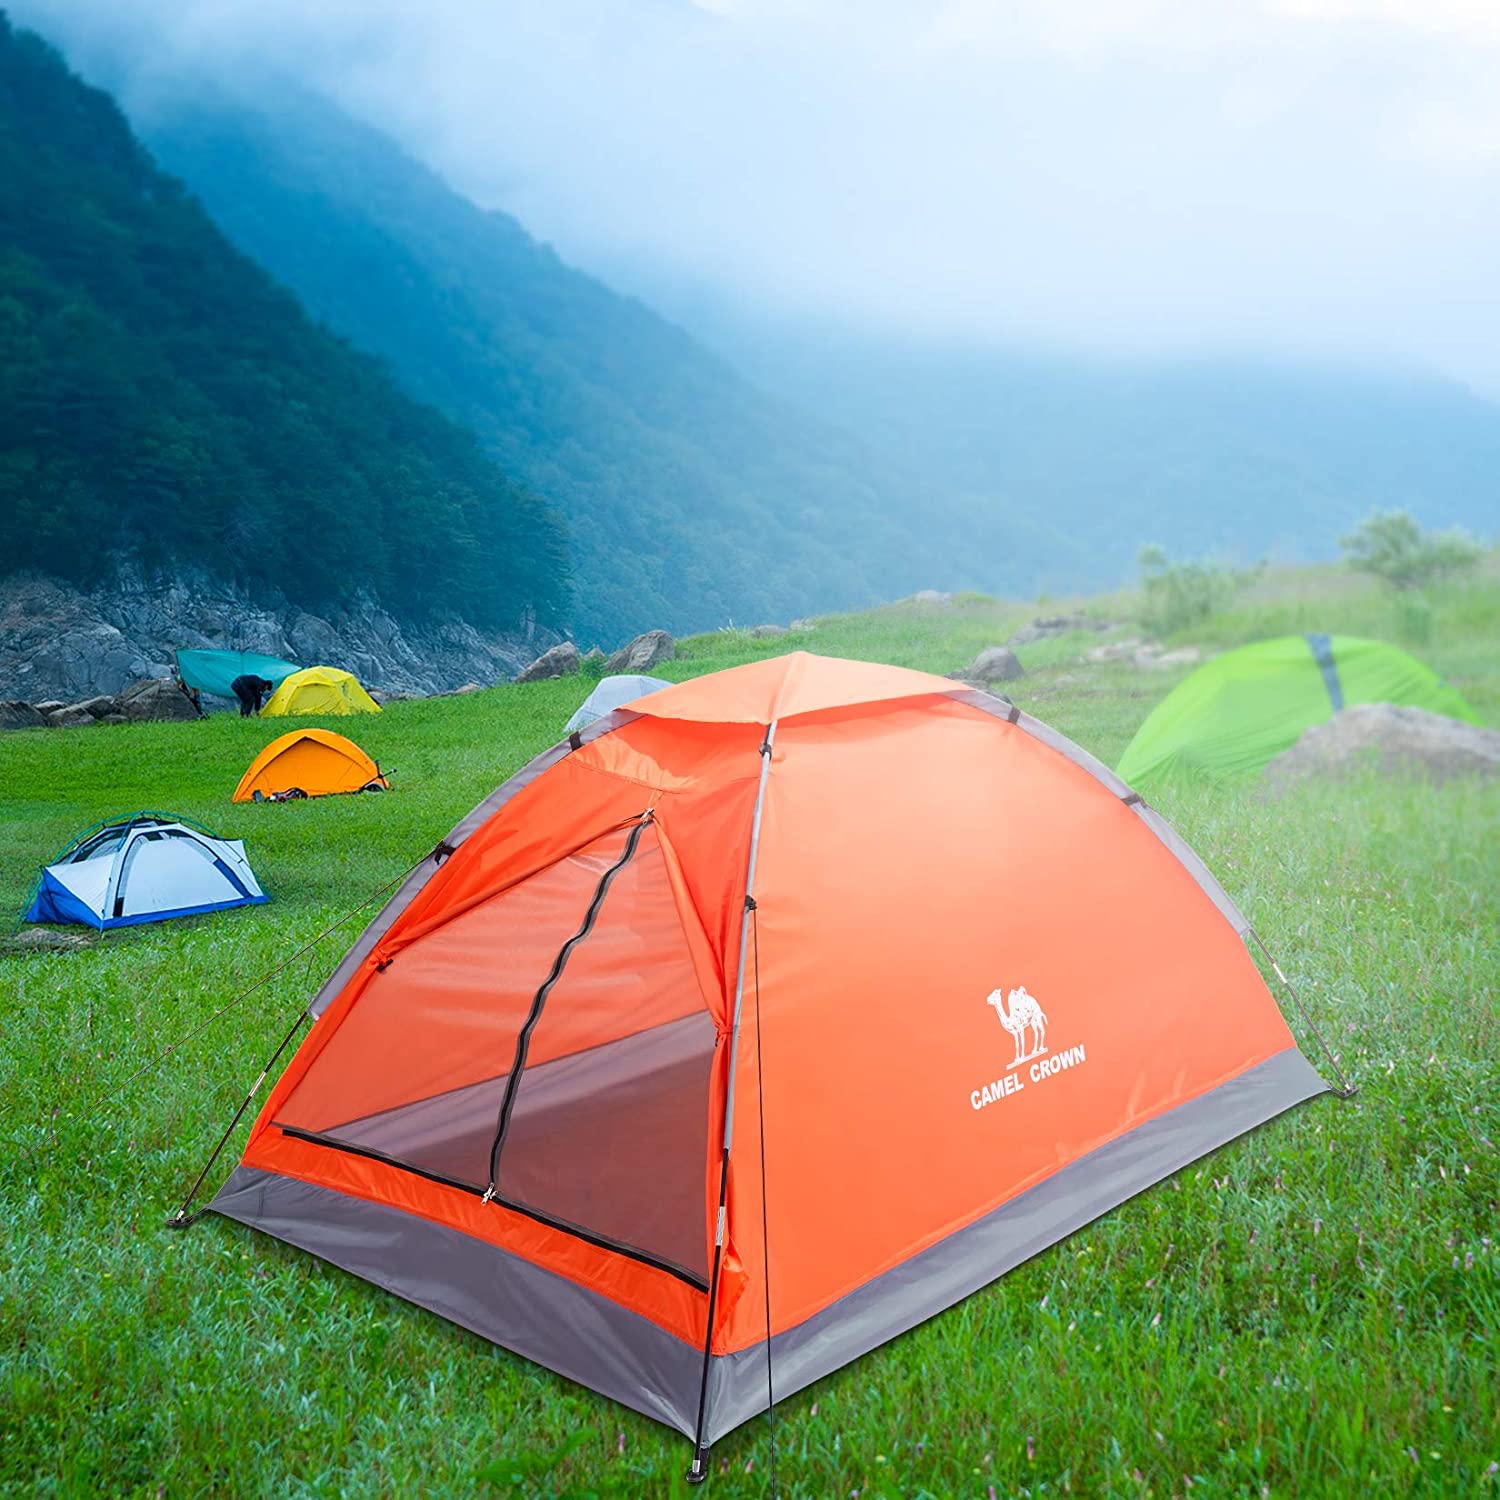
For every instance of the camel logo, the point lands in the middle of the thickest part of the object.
(1024, 1015)
(1021, 1014)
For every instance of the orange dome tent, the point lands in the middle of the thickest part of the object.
(845, 963)
(309, 763)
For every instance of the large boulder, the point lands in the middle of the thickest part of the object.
(765, 632)
(17, 715)
(642, 654)
(561, 661)
(1391, 739)
(993, 664)
(155, 698)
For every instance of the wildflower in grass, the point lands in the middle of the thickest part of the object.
(620, 1441)
(1030, 1449)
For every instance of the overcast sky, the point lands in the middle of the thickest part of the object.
(1310, 176)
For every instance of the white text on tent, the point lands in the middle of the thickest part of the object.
(1042, 1069)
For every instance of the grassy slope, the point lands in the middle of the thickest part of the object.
(1312, 1309)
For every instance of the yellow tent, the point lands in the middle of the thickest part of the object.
(321, 690)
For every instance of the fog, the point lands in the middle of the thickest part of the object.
(1310, 177)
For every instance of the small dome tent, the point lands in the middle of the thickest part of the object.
(611, 693)
(320, 690)
(145, 868)
(845, 960)
(1237, 712)
(310, 763)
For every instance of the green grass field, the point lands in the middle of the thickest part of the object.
(1313, 1310)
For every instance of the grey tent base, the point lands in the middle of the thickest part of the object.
(590, 1339)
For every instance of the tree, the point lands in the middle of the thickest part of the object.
(1391, 545)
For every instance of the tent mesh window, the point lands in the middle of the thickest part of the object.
(607, 1130)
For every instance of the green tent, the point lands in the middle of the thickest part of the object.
(1238, 711)
(213, 671)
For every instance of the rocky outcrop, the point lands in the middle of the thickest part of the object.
(643, 653)
(64, 643)
(561, 661)
(1390, 739)
(766, 632)
(993, 664)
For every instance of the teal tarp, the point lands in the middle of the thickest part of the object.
(213, 671)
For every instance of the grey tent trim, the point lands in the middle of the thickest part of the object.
(589, 1339)
(998, 708)
(522, 1307)
(385, 918)
(1321, 647)
(971, 1258)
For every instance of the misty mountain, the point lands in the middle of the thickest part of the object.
(1232, 457)
(161, 396)
(693, 498)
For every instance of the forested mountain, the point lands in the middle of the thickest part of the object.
(1231, 456)
(693, 498)
(160, 394)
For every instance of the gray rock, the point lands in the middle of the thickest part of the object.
(98, 706)
(560, 661)
(15, 714)
(468, 687)
(111, 719)
(993, 664)
(1117, 650)
(803, 625)
(592, 657)
(155, 698)
(1045, 627)
(765, 632)
(931, 596)
(49, 705)
(643, 653)
(1392, 740)
(69, 718)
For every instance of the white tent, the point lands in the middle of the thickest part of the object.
(611, 693)
(143, 869)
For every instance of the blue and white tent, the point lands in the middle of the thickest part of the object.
(611, 693)
(144, 868)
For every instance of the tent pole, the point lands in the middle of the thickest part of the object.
(1345, 1090)
(182, 1218)
(698, 1471)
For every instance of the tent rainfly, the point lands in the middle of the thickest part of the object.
(844, 962)
(213, 671)
(144, 868)
(309, 763)
(320, 690)
(1239, 711)
(611, 693)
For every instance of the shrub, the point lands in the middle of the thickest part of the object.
(1391, 545)
(1179, 594)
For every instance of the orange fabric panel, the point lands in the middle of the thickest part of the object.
(316, 761)
(782, 687)
(448, 1009)
(672, 1304)
(912, 864)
